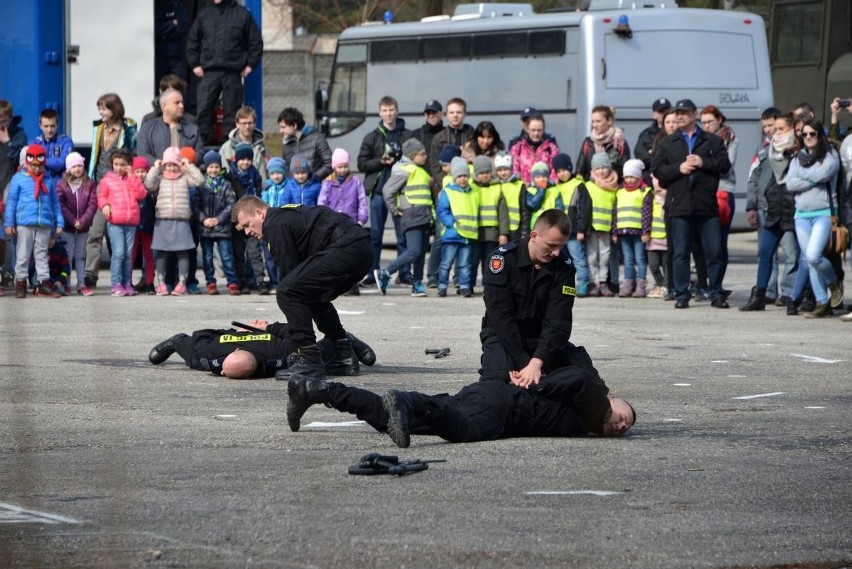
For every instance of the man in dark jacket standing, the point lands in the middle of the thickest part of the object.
(320, 255)
(689, 164)
(305, 141)
(380, 150)
(223, 47)
(646, 139)
(432, 125)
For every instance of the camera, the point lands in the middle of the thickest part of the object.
(844, 103)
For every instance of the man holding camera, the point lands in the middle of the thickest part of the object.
(835, 133)
(380, 150)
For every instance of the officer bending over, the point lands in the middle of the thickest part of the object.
(241, 354)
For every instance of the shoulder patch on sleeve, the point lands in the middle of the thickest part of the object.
(508, 247)
(497, 263)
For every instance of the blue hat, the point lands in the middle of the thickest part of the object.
(212, 157)
(243, 151)
(449, 152)
(300, 164)
(277, 165)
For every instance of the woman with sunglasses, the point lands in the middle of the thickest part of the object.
(812, 179)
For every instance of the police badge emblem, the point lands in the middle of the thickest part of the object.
(497, 263)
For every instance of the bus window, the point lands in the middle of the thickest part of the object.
(797, 33)
(393, 50)
(551, 42)
(500, 45)
(347, 102)
(446, 47)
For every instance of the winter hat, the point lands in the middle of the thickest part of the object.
(411, 147)
(634, 168)
(458, 167)
(562, 162)
(539, 169)
(503, 160)
(138, 163)
(449, 152)
(243, 151)
(299, 164)
(212, 157)
(188, 152)
(278, 165)
(601, 160)
(74, 159)
(171, 156)
(339, 158)
(481, 164)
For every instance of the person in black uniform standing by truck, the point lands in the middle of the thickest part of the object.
(258, 352)
(320, 255)
(529, 298)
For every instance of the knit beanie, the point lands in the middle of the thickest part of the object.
(503, 160)
(139, 163)
(539, 169)
(339, 158)
(481, 164)
(212, 157)
(411, 147)
(601, 160)
(634, 168)
(299, 164)
(243, 151)
(458, 167)
(277, 165)
(562, 162)
(449, 152)
(188, 152)
(74, 159)
(171, 156)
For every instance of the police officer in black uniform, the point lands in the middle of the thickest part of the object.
(570, 402)
(241, 354)
(320, 255)
(529, 297)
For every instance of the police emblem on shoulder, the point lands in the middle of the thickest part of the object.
(497, 263)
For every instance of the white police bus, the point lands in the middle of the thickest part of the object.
(501, 58)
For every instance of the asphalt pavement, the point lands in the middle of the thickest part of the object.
(740, 456)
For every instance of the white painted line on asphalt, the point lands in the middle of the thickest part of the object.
(415, 327)
(737, 376)
(17, 515)
(673, 420)
(815, 359)
(761, 395)
(814, 407)
(324, 424)
(766, 344)
(388, 304)
(351, 312)
(572, 493)
(718, 361)
(198, 383)
(225, 417)
(682, 384)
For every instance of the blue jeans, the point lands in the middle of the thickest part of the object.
(416, 240)
(378, 218)
(770, 238)
(577, 250)
(480, 255)
(812, 234)
(449, 252)
(634, 254)
(708, 231)
(226, 255)
(121, 238)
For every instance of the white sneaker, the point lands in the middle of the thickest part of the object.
(847, 317)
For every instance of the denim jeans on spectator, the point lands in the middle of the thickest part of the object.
(226, 255)
(414, 255)
(812, 234)
(708, 231)
(121, 238)
(635, 261)
(449, 252)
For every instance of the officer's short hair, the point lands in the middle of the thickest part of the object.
(553, 218)
(247, 204)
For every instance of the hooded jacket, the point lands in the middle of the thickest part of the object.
(372, 149)
(78, 206)
(23, 208)
(122, 195)
(314, 147)
(224, 37)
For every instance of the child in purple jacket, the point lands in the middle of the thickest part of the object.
(343, 192)
(78, 199)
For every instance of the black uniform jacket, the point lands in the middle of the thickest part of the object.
(528, 309)
(269, 348)
(294, 233)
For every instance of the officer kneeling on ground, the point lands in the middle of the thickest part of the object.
(320, 255)
(243, 354)
(569, 402)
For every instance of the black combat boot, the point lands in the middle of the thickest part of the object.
(757, 300)
(343, 360)
(362, 350)
(20, 289)
(164, 349)
(808, 302)
(793, 307)
(308, 362)
(400, 410)
(304, 391)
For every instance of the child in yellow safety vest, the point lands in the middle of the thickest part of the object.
(445, 158)
(602, 186)
(577, 204)
(629, 212)
(458, 212)
(515, 193)
(493, 216)
(654, 237)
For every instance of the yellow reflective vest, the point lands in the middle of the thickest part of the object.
(602, 203)
(658, 220)
(628, 208)
(489, 200)
(511, 191)
(465, 209)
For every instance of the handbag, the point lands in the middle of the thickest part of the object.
(838, 239)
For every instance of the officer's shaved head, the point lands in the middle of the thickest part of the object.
(239, 364)
(553, 218)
